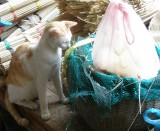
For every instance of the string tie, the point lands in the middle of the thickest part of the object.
(126, 23)
(11, 6)
(14, 15)
(154, 122)
(38, 5)
(8, 47)
(2, 29)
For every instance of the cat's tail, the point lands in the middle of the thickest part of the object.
(10, 107)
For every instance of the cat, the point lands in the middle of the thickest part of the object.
(32, 65)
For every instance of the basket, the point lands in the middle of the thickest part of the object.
(121, 117)
(104, 106)
(146, 9)
(91, 11)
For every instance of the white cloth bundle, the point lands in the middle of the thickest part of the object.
(123, 45)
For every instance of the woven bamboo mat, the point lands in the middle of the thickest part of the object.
(91, 11)
(30, 16)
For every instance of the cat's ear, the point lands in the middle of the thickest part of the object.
(69, 23)
(55, 31)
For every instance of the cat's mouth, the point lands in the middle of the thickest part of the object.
(65, 45)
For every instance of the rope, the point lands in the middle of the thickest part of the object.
(14, 15)
(8, 47)
(139, 96)
(12, 7)
(141, 105)
(2, 29)
(31, 20)
(7, 44)
(38, 5)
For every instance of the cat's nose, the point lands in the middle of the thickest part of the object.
(67, 41)
(66, 45)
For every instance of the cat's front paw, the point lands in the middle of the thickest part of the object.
(66, 101)
(46, 116)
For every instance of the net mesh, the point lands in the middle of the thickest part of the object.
(104, 89)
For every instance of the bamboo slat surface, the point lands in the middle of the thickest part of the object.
(46, 14)
(5, 34)
(13, 5)
(26, 10)
(91, 11)
(61, 115)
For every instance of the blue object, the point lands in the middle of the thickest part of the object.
(5, 23)
(155, 123)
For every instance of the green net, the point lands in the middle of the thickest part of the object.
(103, 89)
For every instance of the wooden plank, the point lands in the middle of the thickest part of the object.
(8, 123)
(61, 115)
(2, 127)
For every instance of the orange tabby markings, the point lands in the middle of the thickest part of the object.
(14, 113)
(16, 67)
(57, 33)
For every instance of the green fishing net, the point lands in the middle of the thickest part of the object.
(104, 90)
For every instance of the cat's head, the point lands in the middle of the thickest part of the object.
(59, 33)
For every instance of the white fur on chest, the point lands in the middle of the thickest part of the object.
(27, 92)
(49, 56)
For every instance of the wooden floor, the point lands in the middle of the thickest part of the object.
(62, 117)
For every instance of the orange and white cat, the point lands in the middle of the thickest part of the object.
(31, 67)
